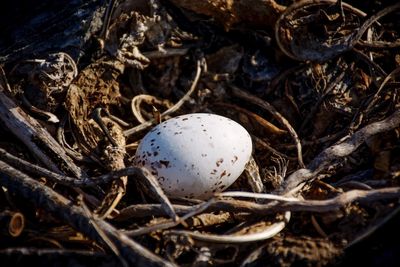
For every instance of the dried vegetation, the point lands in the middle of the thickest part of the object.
(314, 82)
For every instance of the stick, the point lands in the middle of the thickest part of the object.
(267, 106)
(35, 137)
(339, 150)
(280, 205)
(60, 207)
(172, 109)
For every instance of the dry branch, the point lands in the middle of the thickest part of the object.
(63, 209)
(35, 137)
(139, 173)
(340, 150)
(236, 206)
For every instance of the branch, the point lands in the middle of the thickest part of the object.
(63, 209)
(340, 150)
(282, 205)
(36, 138)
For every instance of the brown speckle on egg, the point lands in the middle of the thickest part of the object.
(235, 158)
(164, 163)
(219, 162)
(222, 174)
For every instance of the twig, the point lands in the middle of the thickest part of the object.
(35, 137)
(29, 251)
(265, 105)
(379, 44)
(373, 99)
(171, 110)
(96, 115)
(268, 126)
(252, 174)
(321, 98)
(60, 207)
(165, 225)
(339, 150)
(236, 206)
(67, 180)
(107, 241)
(68, 149)
(319, 50)
(149, 99)
(103, 35)
(265, 145)
(165, 52)
(256, 196)
(12, 223)
(268, 232)
(30, 256)
(349, 145)
(371, 21)
(370, 62)
(140, 173)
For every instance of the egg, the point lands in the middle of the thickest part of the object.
(195, 155)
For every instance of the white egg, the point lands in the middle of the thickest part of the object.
(195, 155)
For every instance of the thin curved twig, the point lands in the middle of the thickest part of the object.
(265, 105)
(267, 233)
(149, 99)
(171, 110)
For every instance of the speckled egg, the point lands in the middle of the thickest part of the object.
(195, 155)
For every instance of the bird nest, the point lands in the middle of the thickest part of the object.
(313, 82)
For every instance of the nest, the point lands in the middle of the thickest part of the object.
(314, 82)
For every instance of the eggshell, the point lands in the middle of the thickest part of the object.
(195, 155)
